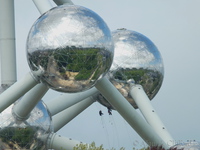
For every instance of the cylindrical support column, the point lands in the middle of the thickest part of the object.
(58, 142)
(16, 91)
(67, 100)
(7, 42)
(115, 98)
(63, 2)
(42, 5)
(23, 108)
(149, 113)
(62, 118)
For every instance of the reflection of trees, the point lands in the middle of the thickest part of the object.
(18, 138)
(85, 61)
(92, 146)
(150, 80)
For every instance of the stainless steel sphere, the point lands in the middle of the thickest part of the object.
(136, 59)
(27, 134)
(72, 46)
(186, 146)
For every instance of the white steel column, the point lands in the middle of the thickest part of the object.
(16, 91)
(62, 118)
(58, 142)
(7, 42)
(65, 2)
(129, 113)
(23, 108)
(42, 5)
(146, 108)
(67, 100)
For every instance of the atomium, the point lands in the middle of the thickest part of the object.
(136, 59)
(71, 46)
(26, 134)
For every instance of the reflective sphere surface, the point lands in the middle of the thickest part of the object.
(72, 46)
(136, 59)
(25, 135)
(186, 146)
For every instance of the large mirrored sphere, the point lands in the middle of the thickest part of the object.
(72, 46)
(136, 59)
(186, 146)
(27, 134)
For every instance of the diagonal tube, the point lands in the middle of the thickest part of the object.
(42, 5)
(129, 113)
(24, 107)
(16, 91)
(62, 118)
(63, 2)
(67, 100)
(58, 142)
(149, 113)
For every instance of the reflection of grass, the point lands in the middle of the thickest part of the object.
(17, 137)
(149, 79)
(85, 61)
(125, 74)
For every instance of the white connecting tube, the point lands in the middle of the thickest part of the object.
(149, 113)
(127, 111)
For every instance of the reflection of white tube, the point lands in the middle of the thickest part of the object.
(16, 91)
(23, 108)
(67, 100)
(61, 143)
(7, 42)
(129, 113)
(42, 5)
(65, 2)
(62, 118)
(149, 113)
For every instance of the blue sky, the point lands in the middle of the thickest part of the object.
(174, 27)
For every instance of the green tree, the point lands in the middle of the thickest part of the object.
(92, 146)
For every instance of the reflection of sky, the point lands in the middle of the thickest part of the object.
(6, 117)
(73, 26)
(133, 50)
(39, 117)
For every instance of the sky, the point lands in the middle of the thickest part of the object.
(174, 27)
